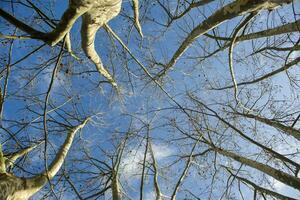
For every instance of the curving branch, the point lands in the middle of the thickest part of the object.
(95, 14)
(34, 184)
(24, 27)
(66, 23)
(230, 57)
(230, 11)
(88, 35)
(155, 168)
(136, 17)
(11, 159)
(13, 187)
(266, 76)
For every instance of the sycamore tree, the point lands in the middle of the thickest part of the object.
(164, 99)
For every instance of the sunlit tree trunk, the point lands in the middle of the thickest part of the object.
(115, 186)
(17, 188)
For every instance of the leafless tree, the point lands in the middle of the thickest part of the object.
(204, 104)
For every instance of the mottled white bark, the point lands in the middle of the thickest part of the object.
(2, 161)
(92, 20)
(11, 159)
(69, 17)
(137, 16)
(95, 14)
(16, 188)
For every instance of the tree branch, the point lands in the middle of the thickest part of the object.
(268, 75)
(277, 174)
(37, 182)
(286, 129)
(261, 189)
(11, 159)
(229, 11)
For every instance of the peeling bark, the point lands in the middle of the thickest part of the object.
(95, 14)
(16, 188)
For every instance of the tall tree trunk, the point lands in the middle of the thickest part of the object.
(115, 187)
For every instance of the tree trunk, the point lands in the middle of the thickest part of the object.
(15, 188)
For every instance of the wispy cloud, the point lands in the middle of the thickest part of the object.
(132, 164)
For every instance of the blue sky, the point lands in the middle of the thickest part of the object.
(110, 126)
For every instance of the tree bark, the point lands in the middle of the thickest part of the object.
(285, 129)
(276, 174)
(229, 11)
(16, 188)
(263, 190)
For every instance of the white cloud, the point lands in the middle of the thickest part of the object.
(149, 195)
(131, 165)
(161, 151)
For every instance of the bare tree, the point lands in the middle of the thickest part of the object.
(207, 103)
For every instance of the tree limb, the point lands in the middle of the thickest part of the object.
(229, 11)
(35, 183)
(261, 189)
(268, 75)
(11, 159)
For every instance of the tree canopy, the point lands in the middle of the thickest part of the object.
(164, 99)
